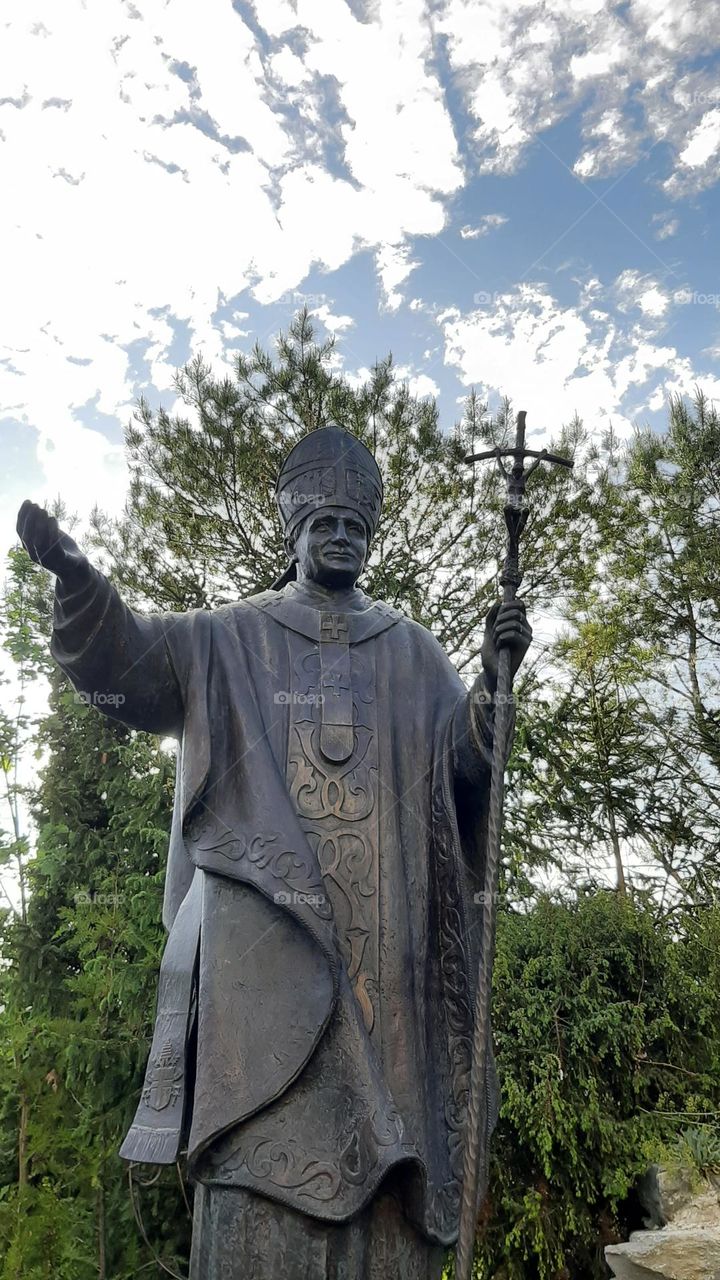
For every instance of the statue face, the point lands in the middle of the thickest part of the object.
(331, 547)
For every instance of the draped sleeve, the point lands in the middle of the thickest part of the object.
(119, 661)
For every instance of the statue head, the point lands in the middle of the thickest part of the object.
(329, 494)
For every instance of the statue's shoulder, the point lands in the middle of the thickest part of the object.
(278, 603)
(387, 610)
(420, 637)
(241, 613)
(392, 611)
(407, 626)
(262, 600)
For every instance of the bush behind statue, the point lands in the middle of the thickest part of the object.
(607, 1027)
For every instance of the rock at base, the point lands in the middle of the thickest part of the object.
(680, 1197)
(671, 1254)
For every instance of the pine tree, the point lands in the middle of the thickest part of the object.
(615, 763)
(78, 985)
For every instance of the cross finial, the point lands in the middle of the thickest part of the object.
(516, 477)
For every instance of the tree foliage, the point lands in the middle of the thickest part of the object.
(77, 985)
(617, 749)
(607, 1027)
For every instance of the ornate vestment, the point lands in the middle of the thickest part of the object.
(315, 1004)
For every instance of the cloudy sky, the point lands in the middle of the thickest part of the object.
(511, 195)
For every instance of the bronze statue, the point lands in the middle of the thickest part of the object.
(315, 1009)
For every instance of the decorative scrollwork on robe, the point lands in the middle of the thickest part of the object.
(337, 805)
(286, 1164)
(293, 869)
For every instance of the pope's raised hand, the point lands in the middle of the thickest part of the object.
(47, 544)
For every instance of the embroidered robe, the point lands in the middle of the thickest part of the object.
(315, 999)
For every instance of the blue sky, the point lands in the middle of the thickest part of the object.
(520, 197)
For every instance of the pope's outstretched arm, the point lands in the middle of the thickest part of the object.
(117, 659)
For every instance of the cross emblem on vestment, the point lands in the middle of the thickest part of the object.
(336, 712)
(334, 680)
(333, 627)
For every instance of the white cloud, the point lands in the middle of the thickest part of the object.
(703, 143)
(615, 141)
(489, 222)
(525, 66)
(597, 62)
(653, 302)
(666, 226)
(394, 266)
(333, 323)
(635, 290)
(556, 361)
(289, 69)
(418, 384)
